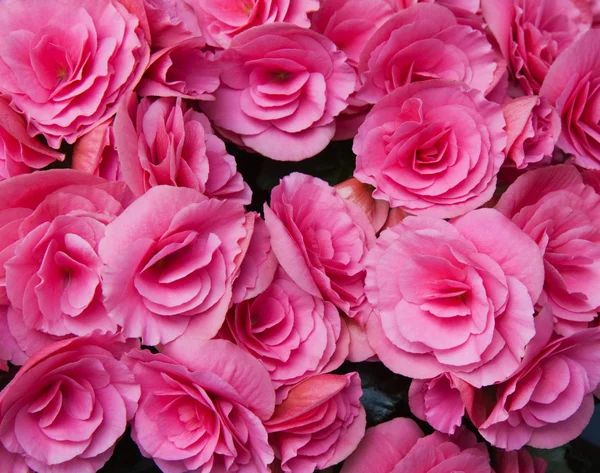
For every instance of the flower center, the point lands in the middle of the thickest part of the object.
(428, 155)
(160, 264)
(247, 7)
(281, 76)
(66, 277)
(61, 74)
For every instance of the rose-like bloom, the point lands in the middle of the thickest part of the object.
(549, 401)
(532, 33)
(320, 239)
(449, 297)
(96, 154)
(183, 70)
(202, 409)
(562, 215)
(351, 23)
(53, 277)
(399, 446)
(20, 197)
(259, 265)
(66, 64)
(319, 424)
(281, 88)
(438, 402)
(19, 152)
(519, 461)
(532, 127)
(573, 87)
(171, 258)
(170, 22)
(165, 142)
(222, 20)
(67, 406)
(432, 148)
(292, 333)
(424, 42)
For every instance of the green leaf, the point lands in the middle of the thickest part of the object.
(385, 394)
(556, 458)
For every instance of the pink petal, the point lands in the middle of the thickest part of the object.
(231, 363)
(383, 447)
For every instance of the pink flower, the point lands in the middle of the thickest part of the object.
(281, 88)
(532, 127)
(349, 121)
(9, 348)
(467, 12)
(136, 8)
(562, 215)
(399, 446)
(183, 70)
(67, 64)
(320, 239)
(170, 260)
(67, 406)
(438, 402)
(292, 333)
(549, 401)
(451, 298)
(170, 22)
(19, 153)
(572, 87)
(432, 148)
(20, 197)
(96, 154)
(164, 141)
(221, 20)
(361, 194)
(395, 216)
(203, 408)
(13, 463)
(359, 348)
(424, 42)
(259, 265)
(532, 33)
(319, 424)
(592, 178)
(519, 461)
(471, 6)
(53, 275)
(594, 6)
(351, 23)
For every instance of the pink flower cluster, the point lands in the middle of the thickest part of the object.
(144, 288)
(85, 263)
